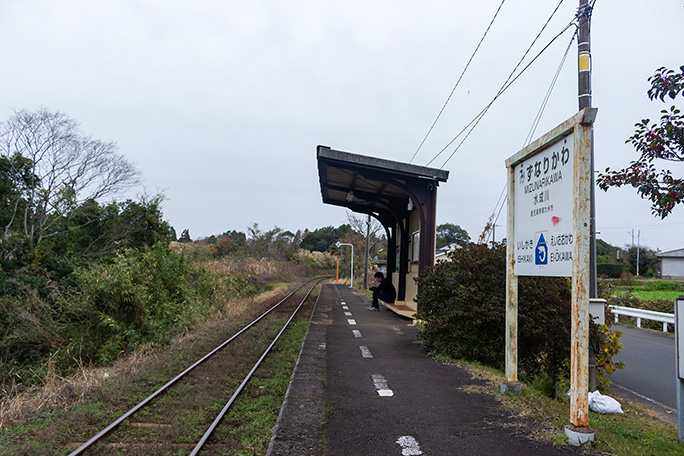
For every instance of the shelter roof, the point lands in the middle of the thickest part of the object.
(367, 184)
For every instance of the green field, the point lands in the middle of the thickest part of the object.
(649, 295)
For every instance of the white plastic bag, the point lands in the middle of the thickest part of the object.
(603, 404)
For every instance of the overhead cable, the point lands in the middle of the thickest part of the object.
(494, 218)
(457, 82)
(537, 119)
(505, 85)
(479, 117)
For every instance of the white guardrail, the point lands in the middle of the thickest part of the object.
(663, 317)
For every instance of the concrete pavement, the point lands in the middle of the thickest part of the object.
(364, 386)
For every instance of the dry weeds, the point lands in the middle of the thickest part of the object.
(65, 392)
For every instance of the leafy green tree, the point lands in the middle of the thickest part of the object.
(448, 233)
(321, 239)
(55, 169)
(274, 243)
(15, 180)
(236, 236)
(649, 263)
(105, 229)
(656, 141)
(185, 236)
(604, 248)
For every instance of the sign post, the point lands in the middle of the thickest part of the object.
(351, 266)
(679, 353)
(549, 211)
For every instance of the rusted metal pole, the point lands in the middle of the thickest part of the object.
(511, 287)
(579, 357)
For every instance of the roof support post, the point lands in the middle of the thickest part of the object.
(391, 251)
(426, 255)
(403, 257)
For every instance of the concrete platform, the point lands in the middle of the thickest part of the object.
(364, 386)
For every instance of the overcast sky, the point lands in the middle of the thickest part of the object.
(221, 103)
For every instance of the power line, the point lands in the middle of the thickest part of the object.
(457, 82)
(505, 85)
(535, 123)
(537, 119)
(479, 117)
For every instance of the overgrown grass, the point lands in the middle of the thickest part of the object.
(249, 425)
(246, 430)
(141, 297)
(639, 431)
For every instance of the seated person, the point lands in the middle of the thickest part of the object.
(384, 291)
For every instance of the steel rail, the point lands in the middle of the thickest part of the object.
(144, 402)
(237, 392)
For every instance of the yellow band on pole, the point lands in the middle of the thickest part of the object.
(585, 62)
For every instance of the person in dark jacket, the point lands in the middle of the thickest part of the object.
(384, 292)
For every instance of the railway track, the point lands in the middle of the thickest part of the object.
(181, 416)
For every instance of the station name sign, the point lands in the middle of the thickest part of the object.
(544, 211)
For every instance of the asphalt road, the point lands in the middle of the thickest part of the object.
(649, 374)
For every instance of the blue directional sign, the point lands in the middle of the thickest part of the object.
(541, 251)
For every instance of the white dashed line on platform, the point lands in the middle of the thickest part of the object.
(345, 308)
(347, 314)
(409, 446)
(365, 352)
(357, 333)
(381, 385)
(351, 321)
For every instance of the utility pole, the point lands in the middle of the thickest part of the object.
(638, 248)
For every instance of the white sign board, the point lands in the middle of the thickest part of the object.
(544, 211)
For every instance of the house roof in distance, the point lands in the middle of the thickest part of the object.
(679, 253)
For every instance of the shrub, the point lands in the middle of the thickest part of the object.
(610, 270)
(662, 285)
(627, 278)
(462, 304)
(141, 296)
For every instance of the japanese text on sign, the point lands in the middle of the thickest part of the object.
(543, 211)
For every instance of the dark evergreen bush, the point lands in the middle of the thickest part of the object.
(462, 304)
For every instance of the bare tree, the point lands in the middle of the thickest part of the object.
(60, 169)
(360, 226)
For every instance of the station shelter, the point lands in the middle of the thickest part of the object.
(402, 197)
